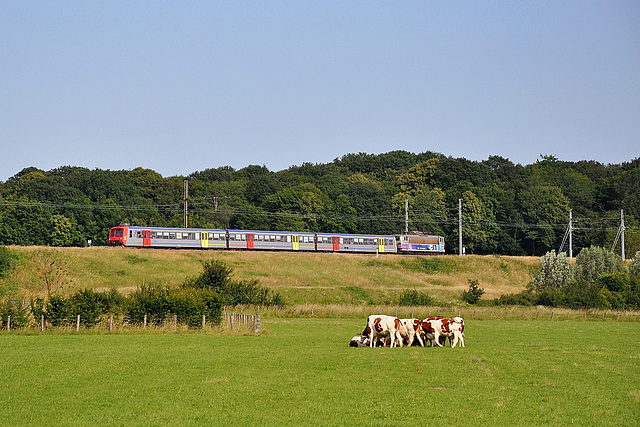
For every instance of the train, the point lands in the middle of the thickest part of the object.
(201, 238)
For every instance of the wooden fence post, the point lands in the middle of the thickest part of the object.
(42, 323)
(256, 325)
(204, 321)
(330, 311)
(8, 323)
(145, 322)
(78, 323)
(111, 323)
(175, 322)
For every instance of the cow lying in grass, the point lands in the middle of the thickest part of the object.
(359, 341)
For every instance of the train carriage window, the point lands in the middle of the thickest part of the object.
(172, 235)
(179, 236)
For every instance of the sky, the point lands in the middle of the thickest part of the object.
(183, 86)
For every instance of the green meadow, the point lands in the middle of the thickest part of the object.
(301, 371)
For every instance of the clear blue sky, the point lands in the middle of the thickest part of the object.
(182, 86)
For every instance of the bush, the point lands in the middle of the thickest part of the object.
(525, 298)
(635, 265)
(592, 262)
(216, 276)
(57, 310)
(18, 311)
(555, 271)
(87, 304)
(412, 297)
(150, 300)
(188, 304)
(474, 293)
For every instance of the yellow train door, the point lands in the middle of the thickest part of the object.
(204, 240)
(295, 241)
(380, 244)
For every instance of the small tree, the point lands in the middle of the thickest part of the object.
(474, 293)
(635, 265)
(556, 271)
(592, 262)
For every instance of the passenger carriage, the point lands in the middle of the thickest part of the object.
(171, 237)
(420, 243)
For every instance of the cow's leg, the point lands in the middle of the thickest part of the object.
(454, 340)
(417, 335)
(436, 339)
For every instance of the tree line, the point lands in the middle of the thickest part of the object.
(507, 208)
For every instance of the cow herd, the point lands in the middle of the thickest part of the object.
(391, 331)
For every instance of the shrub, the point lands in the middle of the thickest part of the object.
(556, 271)
(150, 300)
(188, 304)
(474, 293)
(593, 261)
(525, 298)
(86, 304)
(216, 276)
(57, 310)
(412, 297)
(635, 265)
(18, 311)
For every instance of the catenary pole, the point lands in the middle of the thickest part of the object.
(622, 232)
(570, 233)
(406, 216)
(460, 227)
(186, 197)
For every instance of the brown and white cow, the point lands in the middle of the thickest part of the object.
(439, 327)
(381, 326)
(428, 328)
(414, 330)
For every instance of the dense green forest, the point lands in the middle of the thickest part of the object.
(507, 208)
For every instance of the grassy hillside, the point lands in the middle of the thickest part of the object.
(299, 277)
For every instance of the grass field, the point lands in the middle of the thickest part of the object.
(300, 371)
(301, 278)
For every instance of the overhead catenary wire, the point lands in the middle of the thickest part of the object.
(592, 224)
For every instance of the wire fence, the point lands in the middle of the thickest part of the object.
(249, 319)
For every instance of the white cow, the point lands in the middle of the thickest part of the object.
(414, 330)
(379, 325)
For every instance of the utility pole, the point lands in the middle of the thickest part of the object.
(406, 216)
(622, 231)
(570, 233)
(186, 197)
(620, 235)
(460, 227)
